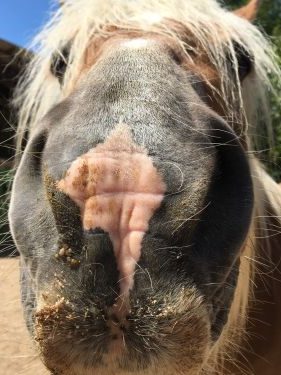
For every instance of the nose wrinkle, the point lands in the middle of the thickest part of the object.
(118, 190)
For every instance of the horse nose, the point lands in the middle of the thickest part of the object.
(115, 189)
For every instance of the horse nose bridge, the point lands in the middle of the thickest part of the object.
(134, 60)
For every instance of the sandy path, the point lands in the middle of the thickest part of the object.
(17, 357)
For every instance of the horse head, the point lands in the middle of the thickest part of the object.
(133, 200)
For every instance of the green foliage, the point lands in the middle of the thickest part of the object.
(273, 156)
(268, 20)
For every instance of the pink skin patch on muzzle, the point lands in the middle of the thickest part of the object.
(118, 190)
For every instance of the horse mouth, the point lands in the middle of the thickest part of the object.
(155, 332)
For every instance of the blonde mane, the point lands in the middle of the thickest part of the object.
(217, 31)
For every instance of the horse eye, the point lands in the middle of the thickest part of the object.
(244, 60)
(59, 63)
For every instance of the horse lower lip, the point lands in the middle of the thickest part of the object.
(62, 328)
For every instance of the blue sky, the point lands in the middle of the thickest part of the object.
(21, 19)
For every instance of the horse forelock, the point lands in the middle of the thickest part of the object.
(78, 22)
(87, 24)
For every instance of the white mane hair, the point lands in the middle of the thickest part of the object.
(78, 21)
(217, 31)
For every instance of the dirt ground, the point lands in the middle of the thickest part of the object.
(17, 356)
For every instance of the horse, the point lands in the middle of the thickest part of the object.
(149, 231)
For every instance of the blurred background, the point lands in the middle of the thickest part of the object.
(21, 21)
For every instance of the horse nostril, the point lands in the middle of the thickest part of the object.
(66, 215)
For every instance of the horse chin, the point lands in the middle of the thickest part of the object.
(152, 340)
